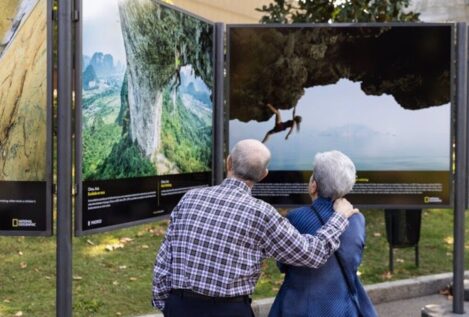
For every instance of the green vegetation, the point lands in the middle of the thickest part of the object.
(109, 152)
(112, 271)
(98, 141)
(185, 138)
(125, 161)
(91, 98)
(100, 132)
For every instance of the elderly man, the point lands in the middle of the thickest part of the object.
(210, 260)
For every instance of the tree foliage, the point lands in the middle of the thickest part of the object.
(328, 11)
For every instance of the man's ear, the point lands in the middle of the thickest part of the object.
(266, 172)
(229, 164)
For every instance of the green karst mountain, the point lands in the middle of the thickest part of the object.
(89, 76)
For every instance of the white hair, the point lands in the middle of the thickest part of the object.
(334, 173)
(250, 159)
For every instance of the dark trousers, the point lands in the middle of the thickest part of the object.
(178, 305)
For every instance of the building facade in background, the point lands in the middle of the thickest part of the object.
(442, 10)
(226, 11)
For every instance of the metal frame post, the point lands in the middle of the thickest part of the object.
(64, 161)
(219, 115)
(460, 176)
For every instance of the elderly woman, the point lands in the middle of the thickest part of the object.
(334, 289)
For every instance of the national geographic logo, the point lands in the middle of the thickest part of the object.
(432, 200)
(21, 223)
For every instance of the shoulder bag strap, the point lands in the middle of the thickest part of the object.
(352, 289)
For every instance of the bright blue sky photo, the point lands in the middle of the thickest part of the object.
(375, 131)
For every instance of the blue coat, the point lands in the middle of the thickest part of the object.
(323, 292)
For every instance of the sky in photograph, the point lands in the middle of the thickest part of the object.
(375, 131)
(102, 30)
(188, 76)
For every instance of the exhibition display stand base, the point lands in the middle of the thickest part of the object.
(442, 311)
(433, 310)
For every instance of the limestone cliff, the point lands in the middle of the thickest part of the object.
(158, 42)
(144, 94)
(23, 100)
(275, 66)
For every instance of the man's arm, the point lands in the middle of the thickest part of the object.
(162, 268)
(353, 242)
(283, 242)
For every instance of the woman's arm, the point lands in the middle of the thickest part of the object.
(291, 130)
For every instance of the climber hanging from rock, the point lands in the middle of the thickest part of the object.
(283, 125)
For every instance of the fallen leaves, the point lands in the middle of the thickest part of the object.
(157, 232)
(125, 240)
(115, 246)
(447, 291)
(449, 240)
(387, 275)
(119, 245)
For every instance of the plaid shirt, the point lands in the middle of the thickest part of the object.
(218, 237)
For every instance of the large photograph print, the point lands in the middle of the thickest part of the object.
(379, 94)
(146, 108)
(24, 131)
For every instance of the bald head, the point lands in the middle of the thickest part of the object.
(249, 160)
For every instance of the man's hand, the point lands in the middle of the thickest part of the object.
(344, 207)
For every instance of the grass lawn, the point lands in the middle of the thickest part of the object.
(112, 271)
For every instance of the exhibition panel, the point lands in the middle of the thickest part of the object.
(382, 94)
(26, 117)
(145, 111)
